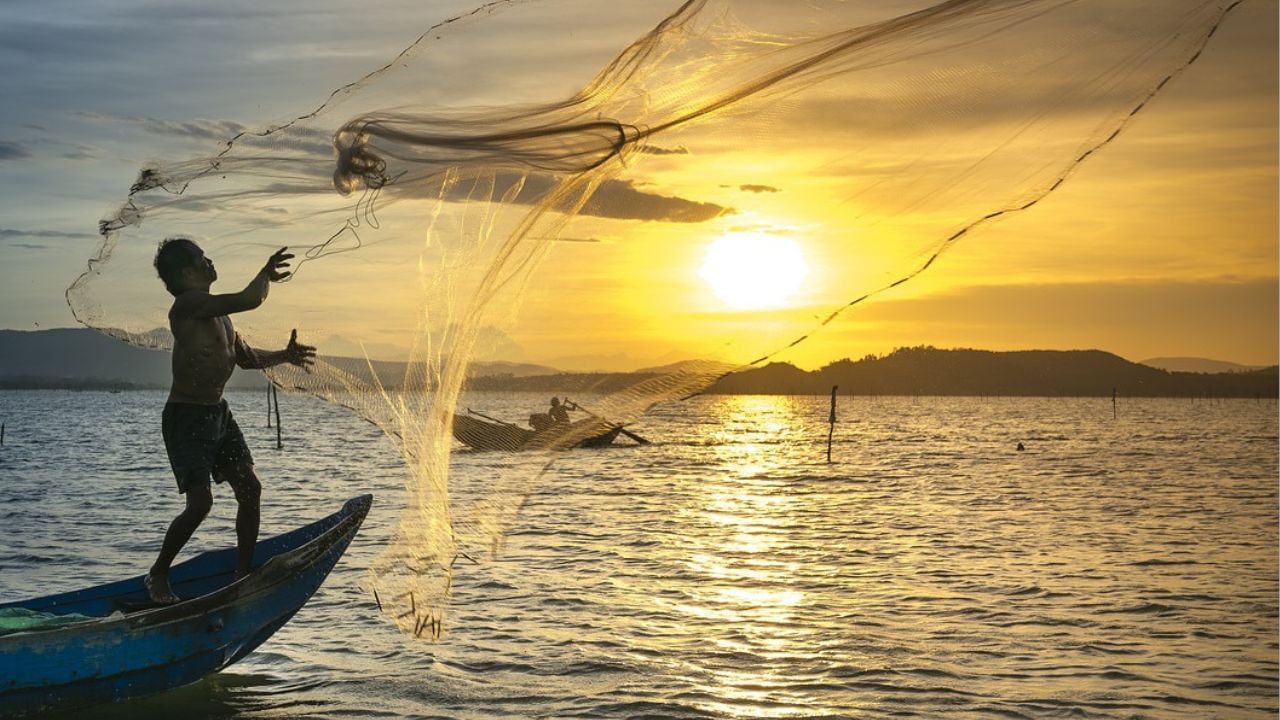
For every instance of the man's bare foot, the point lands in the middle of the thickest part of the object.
(159, 590)
(240, 575)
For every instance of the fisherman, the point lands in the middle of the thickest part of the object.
(560, 413)
(201, 437)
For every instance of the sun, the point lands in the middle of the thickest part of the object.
(752, 271)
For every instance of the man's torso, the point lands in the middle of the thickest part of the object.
(204, 357)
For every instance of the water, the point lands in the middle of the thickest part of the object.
(1118, 568)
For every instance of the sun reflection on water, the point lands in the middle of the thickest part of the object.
(744, 562)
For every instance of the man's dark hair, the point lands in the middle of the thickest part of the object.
(174, 255)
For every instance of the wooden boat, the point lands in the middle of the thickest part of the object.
(129, 648)
(590, 432)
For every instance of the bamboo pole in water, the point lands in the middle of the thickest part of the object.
(276, 395)
(269, 388)
(831, 430)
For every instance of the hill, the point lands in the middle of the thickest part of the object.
(930, 371)
(83, 358)
(1197, 365)
(78, 357)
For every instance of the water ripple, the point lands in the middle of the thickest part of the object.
(1118, 568)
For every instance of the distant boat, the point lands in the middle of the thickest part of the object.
(128, 647)
(591, 432)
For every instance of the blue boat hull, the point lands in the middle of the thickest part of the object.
(133, 650)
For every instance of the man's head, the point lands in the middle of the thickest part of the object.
(182, 266)
(555, 402)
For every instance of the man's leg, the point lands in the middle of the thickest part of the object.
(199, 500)
(244, 481)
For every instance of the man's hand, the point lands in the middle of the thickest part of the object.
(274, 269)
(297, 353)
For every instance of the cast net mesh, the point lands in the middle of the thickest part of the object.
(541, 175)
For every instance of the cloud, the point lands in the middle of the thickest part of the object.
(219, 131)
(762, 228)
(655, 150)
(202, 129)
(29, 246)
(43, 146)
(758, 188)
(12, 151)
(81, 152)
(620, 199)
(17, 233)
(614, 199)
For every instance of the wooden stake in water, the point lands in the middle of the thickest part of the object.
(274, 394)
(832, 429)
(1113, 404)
(270, 387)
(1, 433)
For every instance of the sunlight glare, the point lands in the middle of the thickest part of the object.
(752, 271)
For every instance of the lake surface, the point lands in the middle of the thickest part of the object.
(1120, 567)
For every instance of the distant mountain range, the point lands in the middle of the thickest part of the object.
(84, 358)
(77, 357)
(1198, 365)
(930, 371)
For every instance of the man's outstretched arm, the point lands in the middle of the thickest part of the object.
(295, 354)
(202, 304)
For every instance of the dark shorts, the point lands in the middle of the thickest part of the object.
(202, 440)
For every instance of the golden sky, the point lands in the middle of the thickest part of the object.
(1164, 243)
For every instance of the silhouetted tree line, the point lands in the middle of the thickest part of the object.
(83, 359)
(927, 370)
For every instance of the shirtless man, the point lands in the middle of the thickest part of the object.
(560, 413)
(200, 435)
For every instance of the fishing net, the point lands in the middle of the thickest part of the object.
(576, 179)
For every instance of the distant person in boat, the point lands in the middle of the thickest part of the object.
(201, 437)
(557, 415)
(560, 412)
